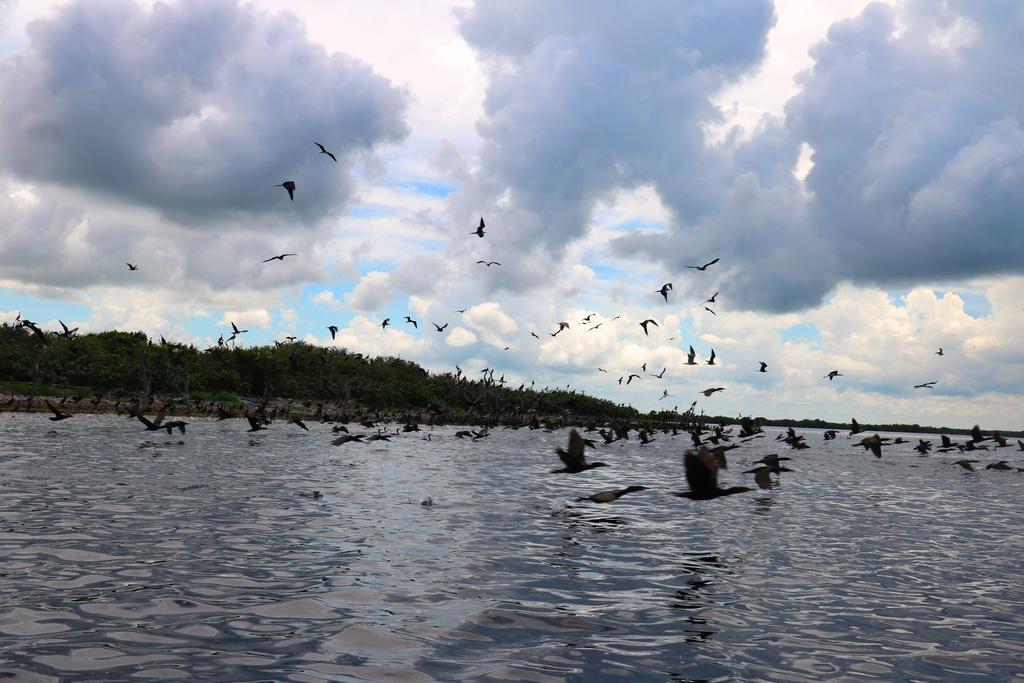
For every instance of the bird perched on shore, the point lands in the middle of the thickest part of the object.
(479, 232)
(323, 150)
(702, 476)
(613, 495)
(290, 186)
(575, 459)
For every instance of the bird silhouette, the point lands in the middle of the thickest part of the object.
(413, 322)
(630, 379)
(290, 186)
(334, 331)
(702, 475)
(235, 331)
(926, 385)
(705, 266)
(385, 323)
(764, 366)
(612, 495)
(479, 232)
(131, 267)
(691, 357)
(279, 257)
(712, 299)
(832, 375)
(575, 459)
(939, 352)
(708, 392)
(58, 415)
(323, 150)
(647, 322)
(711, 360)
(489, 263)
(440, 328)
(665, 288)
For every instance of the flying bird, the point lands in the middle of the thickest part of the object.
(67, 332)
(235, 331)
(708, 392)
(927, 385)
(410, 320)
(384, 325)
(712, 299)
(664, 394)
(630, 379)
(534, 335)
(279, 257)
(440, 328)
(647, 322)
(489, 263)
(290, 186)
(711, 360)
(705, 266)
(575, 459)
(665, 290)
(832, 375)
(333, 329)
(764, 366)
(691, 357)
(939, 352)
(613, 495)
(660, 375)
(702, 476)
(479, 232)
(710, 311)
(131, 267)
(323, 150)
(57, 414)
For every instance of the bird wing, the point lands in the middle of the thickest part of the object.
(711, 263)
(701, 471)
(53, 409)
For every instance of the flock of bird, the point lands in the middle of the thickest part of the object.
(702, 464)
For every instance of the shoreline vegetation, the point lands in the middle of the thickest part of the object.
(119, 372)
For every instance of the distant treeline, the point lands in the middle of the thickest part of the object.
(866, 427)
(129, 364)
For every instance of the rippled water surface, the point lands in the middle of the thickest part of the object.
(124, 554)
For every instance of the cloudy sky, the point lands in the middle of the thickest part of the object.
(857, 167)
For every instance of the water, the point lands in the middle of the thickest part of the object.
(125, 555)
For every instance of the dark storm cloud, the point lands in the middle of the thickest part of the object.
(194, 108)
(585, 97)
(914, 120)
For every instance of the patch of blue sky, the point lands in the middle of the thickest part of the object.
(370, 211)
(638, 224)
(423, 187)
(801, 332)
(41, 310)
(975, 305)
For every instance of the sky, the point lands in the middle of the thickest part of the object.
(856, 167)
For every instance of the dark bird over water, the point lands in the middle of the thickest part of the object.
(479, 232)
(705, 266)
(575, 459)
(290, 186)
(702, 476)
(57, 414)
(279, 257)
(613, 495)
(323, 150)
